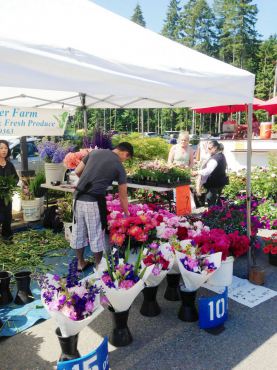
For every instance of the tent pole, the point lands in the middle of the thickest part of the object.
(83, 102)
(24, 158)
(248, 181)
(274, 89)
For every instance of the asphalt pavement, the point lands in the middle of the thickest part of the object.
(249, 340)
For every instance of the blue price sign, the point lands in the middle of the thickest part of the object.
(213, 311)
(96, 360)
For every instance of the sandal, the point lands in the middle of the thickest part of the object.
(87, 265)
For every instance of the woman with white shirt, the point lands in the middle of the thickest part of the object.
(213, 173)
(181, 154)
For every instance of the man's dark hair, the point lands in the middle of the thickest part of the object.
(7, 145)
(126, 147)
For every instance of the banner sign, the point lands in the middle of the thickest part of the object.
(96, 360)
(16, 121)
(183, 204)
(213, 311)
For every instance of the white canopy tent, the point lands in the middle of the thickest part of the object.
(75, 46)
(52, 52)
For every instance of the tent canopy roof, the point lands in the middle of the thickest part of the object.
(67, 47)
(270, 105)
(230, 108)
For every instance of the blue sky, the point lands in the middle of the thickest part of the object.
(154, 12)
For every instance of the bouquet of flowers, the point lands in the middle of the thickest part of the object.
(52, 152)
(74, 303)
(162, 257)
(196, 268)
(123, 281)
(72, 159)
(137, 227)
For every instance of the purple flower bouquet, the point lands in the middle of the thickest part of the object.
(52, 152)
(74, 303)
(122, 281)
(197, 269)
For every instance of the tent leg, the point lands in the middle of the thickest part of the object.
(25, 172)
(83, 102)
(248, 183)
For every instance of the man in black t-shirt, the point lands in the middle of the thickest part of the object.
(97, 171)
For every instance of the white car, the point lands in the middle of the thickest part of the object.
(150, 134)
(34, 161)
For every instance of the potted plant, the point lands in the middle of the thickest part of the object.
(53, 155)
(31, 207)
(8, 186)
(66, 214)
(270, 248)
(37, 190)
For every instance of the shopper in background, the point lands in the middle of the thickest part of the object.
(181, 154)
(213, 173)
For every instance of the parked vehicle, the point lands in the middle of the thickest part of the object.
(167, 135)
(150, 134)
(34, 161)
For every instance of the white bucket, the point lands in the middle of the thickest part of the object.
(31, 209)
(54, 172)
(41, 202)
(224, 275)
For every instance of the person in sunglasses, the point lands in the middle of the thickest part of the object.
(213, 173)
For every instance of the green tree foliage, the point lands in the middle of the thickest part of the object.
(267, 56)
(145, 148)
(137, 17)
(238, 38)
(171, 23)
(197, 26)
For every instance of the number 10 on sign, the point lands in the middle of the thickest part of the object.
(213, 311)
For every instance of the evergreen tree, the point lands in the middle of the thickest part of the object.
(197, 26)
(238, 38)
(267, 55)
(137, 17)
(171, 23)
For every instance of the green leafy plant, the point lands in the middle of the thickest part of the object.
(26, 193)
(264, 180)
(145, 148)
(34, 185)
(237, 183)
(29, 248)
(268, 211)
(7, 188)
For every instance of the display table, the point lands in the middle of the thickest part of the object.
(62, 187)
(174, 194)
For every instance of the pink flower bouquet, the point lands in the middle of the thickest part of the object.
(72, 160)
(162, 257)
